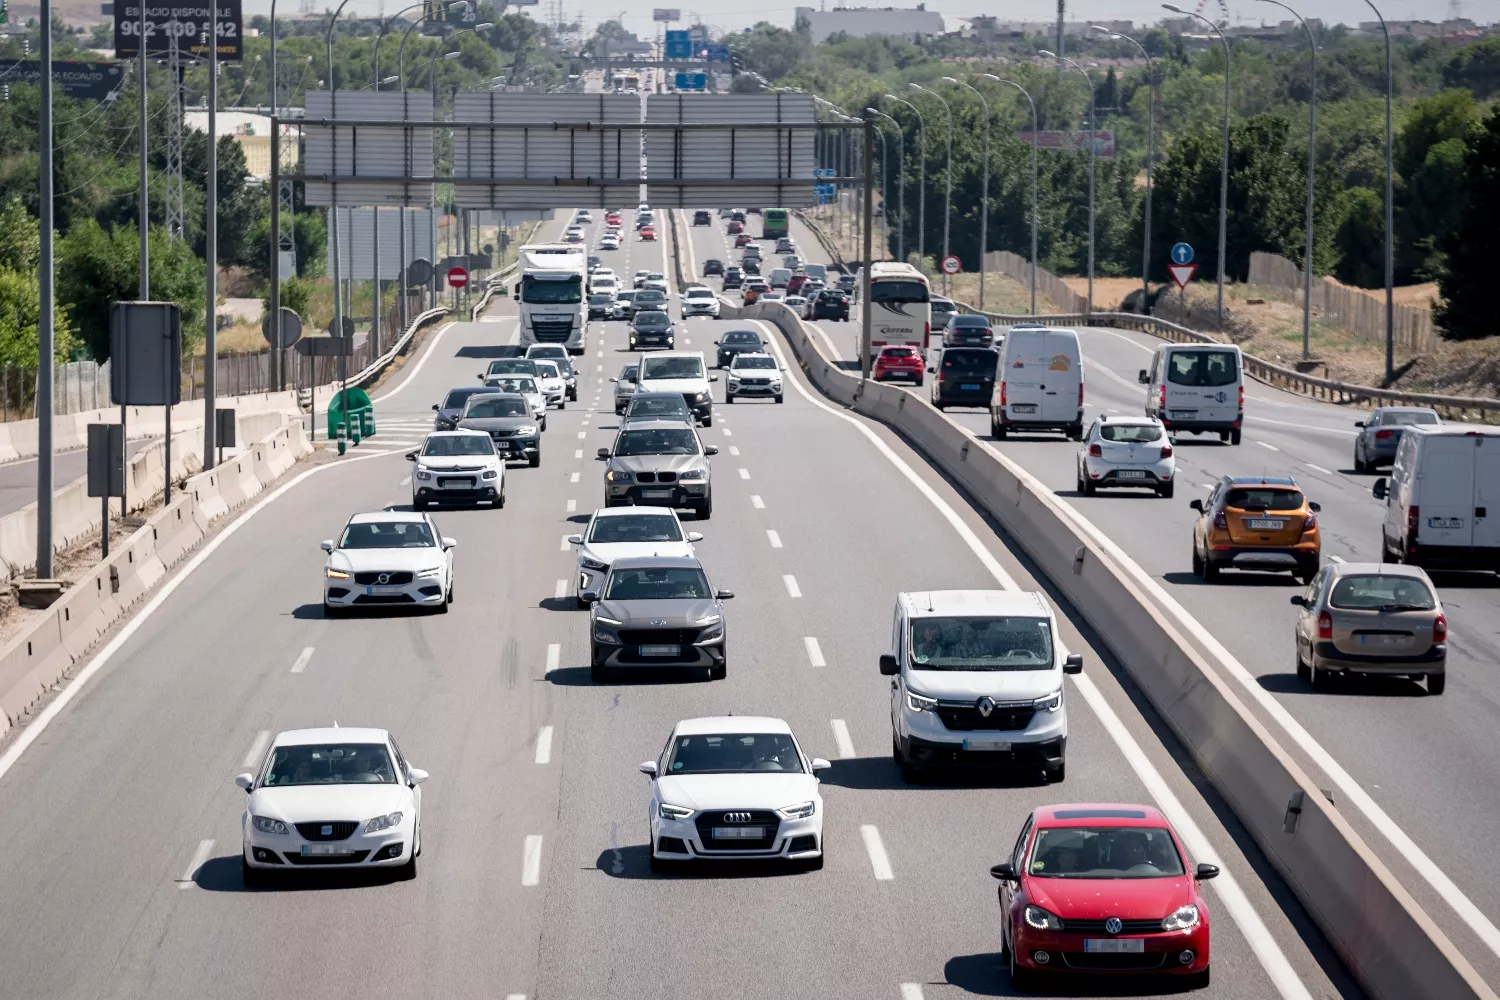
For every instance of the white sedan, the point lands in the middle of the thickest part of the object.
(734, 787)
(699, 300)
(1126, 452)
(331, 798)
(459, 466)
(620, 532)
(609, 241)
(551, 382)
(389, 558)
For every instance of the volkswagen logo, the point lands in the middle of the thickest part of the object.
(1113, 925)
(383, 578)
(657, 621)
(326, 830)
(736, 817)
(986, 705)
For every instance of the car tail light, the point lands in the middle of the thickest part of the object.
(1325, 625)
(1161, 400)
(1242, 399)
(1310, 522)
(1440, 629)
(1095, 451)
(1411, 524)
(1002, 395)
(1384, 434)
(927, 334)
(1220, 521)
(1166, 451)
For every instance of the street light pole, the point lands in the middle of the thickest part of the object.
(1027, 95)
(984, 199)
(1150, 157)
(1312, 150)
(1390, 256)
(1093, 158)
(948, 184)
(211, 246)
(921, 180)
(45, 310)
(900, 181)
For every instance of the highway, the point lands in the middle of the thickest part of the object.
(1415, 760)
(121, 820)
(18, 478)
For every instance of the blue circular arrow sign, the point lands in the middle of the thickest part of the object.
(1182, 253)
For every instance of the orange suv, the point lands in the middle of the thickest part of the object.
(1256, 523)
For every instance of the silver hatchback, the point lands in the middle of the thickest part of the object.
(1381, 434)
(625, 385)
(1371, 618)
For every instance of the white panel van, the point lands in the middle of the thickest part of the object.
(1439, 498)
(1197, 388)
(1039, 385)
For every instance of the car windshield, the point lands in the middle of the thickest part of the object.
(943, 306)
(447, 446)
(1203, 368)
(662, 405)
(387, 535)
(1407, 418)
(897, 352)
(600, 300)
(1105, 852)
(652, 318)
(755, 362)
(1382, 593)
(971, 362)
(657, 584)
(497, 406)
(1263, 498)
(734, 753)
(330, 764)
(512, 383)
(672, 368)
(625, 297)
(657, 441)
(981, 644)
(458, 397)
(509, 366)
(1130, 433)
(699, 293)
(649, 295)
(636, 528)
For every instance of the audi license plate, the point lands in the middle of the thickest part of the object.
(660, 650)
(1262, 524)
(1445, 522)
(1131, 474)
(656, 494)
(1023, 407)
(739, 832)
(1114, 946)
(325, 850)
(986, 745)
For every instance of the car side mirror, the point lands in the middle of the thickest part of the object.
(724, 595)
(648, 767)
(716, 343)
(411, 456)
(713, 378)
(1359, 423)
(1073, 664)
(1314, 506)
(819, 764)
(603, 453)
(695, 536)
(710, 449)
(1196, 505)
(888, 665)
(416, 775)
(245, 781)
(1004, 871)
(1142, 377)
(435, 407)
(575, 539)
(326, 545)
(483, 377)
(449, 543)
(1206, 872)
(1379, 489)
(1298, 600)
(613, 379)
(590, 596)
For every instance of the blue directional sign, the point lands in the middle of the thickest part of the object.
(1182, 253)
(824, 172)
(679, 45)
(716, 53)
(692, 81)
(825, 193)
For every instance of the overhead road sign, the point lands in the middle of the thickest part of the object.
(691, 81)
(951, 264)
(679, 45)
(1182, 253)
(369, 164)
(716, 53)
(756, 163)
(666, 14)
(440, 11)
(82, 81)
(186, 20)
(1182, 274)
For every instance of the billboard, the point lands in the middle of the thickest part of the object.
(185, 20)
(666, 14)
(1104, 141)
(83, 81)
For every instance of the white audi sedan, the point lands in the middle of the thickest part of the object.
(389, 558)
(620, 532)
(733, 788)
(331, 798)
(1127, 452)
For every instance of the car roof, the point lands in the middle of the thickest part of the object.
(1099, 814)
(658, 394)
(330, 734)
(1378, 569)
(628, 511)
(656, 422)
(742, 355)
(1129, 420)
(657, 562)
(1262, 480)
(711, 724)
(386, 516)
(944, 603)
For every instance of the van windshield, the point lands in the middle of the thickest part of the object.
(656, 368)
(981, 644)
(1203, 368)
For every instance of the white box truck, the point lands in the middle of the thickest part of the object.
(550, 295)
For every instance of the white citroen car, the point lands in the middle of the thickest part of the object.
(734, 787)
(620, 532)
(1127, 451)
(389, 558)
(457, 467)
(331, 798)
(551, 382)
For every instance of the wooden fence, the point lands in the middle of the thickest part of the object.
(1356, 310)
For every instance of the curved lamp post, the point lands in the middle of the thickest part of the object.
(921, 179)
(1150, 157)
(948, 186)
(1027, 95)
(984, 200)
(1093, 158)
(900, 181)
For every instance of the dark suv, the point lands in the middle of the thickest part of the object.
(737, 342)
(713, 266)
(965, 376)
(733, 277)
(831, 304)
(702, 218)
(969, 330)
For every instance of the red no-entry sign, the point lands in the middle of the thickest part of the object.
(457, 277)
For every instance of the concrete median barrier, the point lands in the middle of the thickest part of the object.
(1390, 943)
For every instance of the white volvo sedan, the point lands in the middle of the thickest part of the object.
(621, 532)
(332, 798)
(734, 787)
(388, 558)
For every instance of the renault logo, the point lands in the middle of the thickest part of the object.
(986, 705)
(383, 578)
(1113, 925)
(327, 830)
(736, 817)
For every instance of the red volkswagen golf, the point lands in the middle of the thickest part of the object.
(1102, 889)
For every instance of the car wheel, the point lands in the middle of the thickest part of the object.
(419, 505)
(1436, 683)
(1304, 673)
(442, 609)
(332, 610)
(661, 866)
(1058, 773)
(1020, 978)
(781, 399)
(562, 404)
(938, 404)
(719, 671)
(1234, 436)
(1075, 432)
(1210, 571)
(253, 878)
(534, 459)
(705, 508)
(1359, 464)
(813, 864)
(1306, 575)
(728, 397)
(598, 673)
(1316, 679)
(543, 424)
(500, 500)
(708, 421)
(1165, 492)
(408, 871)
(573, 395)
(919, 381)
(997, 430)
(1088, 487)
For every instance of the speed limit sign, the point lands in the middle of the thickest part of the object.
(951, 264)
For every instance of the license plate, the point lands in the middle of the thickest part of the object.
(1114, 946)
(739, 832)
(1184, 414)
(656, 494)
(1131, 474)
(1023, 407)
(969, 387)
(1261, 524)
(1384, 640)
(325, 850)
(369, 591)
(462, 484)
(1445, 522)
(504, 445)
(986, 745)
(660, 650)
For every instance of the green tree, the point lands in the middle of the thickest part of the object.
(1429, 161)
(1466, 310)
(20, 291)
(1475, 67)
(1361, 239)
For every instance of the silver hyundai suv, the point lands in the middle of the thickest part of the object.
(657, 611)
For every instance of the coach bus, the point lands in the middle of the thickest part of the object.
(774, 224)
(899, 304)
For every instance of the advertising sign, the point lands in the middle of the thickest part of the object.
(1104, 141)
(666, 14)
(186, 20)
(83, 81)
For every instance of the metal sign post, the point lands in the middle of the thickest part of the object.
(145, 343)
(869, 214)
(106, 473)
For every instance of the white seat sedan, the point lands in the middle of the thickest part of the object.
(1126, 452)
(699, 300)
(331, 798)
(460, 466)
(609, 241)
(620, 532)
(551, 382)
(388, 558)
(735, 787)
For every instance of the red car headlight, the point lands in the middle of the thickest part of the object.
(1185, 918)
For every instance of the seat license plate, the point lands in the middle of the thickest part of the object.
(1445, 522)
(656, 494)
(1262, 524)
(660, 650)
(325, 850)
(1131, 474)
(1023, 407)
(739, 832)
(986, 745)
(1114, 946)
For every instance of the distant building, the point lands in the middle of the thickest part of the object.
(252, 133)
(623, 47)
(988, 28)
(1423, 29)
(910, 23)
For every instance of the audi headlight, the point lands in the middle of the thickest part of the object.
(430, 572)
(692, 476)
(667, 811)
(335, 574)
(382, 822)
(1186, 917)
(606, 636)
(1042, 920)
(266, 824)
(801, 810)
(422, 474)
(1049, 703)
(919, 703)
(491, 474)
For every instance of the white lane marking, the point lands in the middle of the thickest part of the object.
(598, 354)
(744, 473)
(554, 656)
(1207, 486)
(573, 478)
(1228, 889)
(257, 749)
(572, 506)
(841, 739)
(492, 319)
(598, 368)
(1264, 444)
(302, 660)
(774, 539)
(792, 590)
(728, 432)
(582, 435)
(29, 735)
(515, 996)
(564, 544)
(422, 361)
(531, 860)
(405, 481)
(1319, 468)
(880, 864)
(578, 453)
(911, 991)
(199, 857)
(734, 450)
(814, 651)
(544, 745)
(687, 340)
(757, 502)
(561, 590)
(1340, 559)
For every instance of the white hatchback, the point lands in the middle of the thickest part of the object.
(1130, 452)
(388, 558)
(621, 532)
(459, 466)
(734, 787)
(551, 382)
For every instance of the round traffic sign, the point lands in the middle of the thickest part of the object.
(291, 328)
(951, 264)
(457, 277)
(1182, 253)
(419, 272)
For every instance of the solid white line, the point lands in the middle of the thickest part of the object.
(744, 473)
(199, 857)
(911, 991)
(578, 453)
(562, 589)
(1340, 559)
(431, 350)
(544, 745)
(531, 860)
(879, 863)
(792, 589)
(573, 477)
(757, 502)
(572, 506)
(302, 660)
(1272, 447)
(774, 539)
(257, 749)
(1319, 468)
(814, 651)
(841, 739)
(564, 545)
(554, 656)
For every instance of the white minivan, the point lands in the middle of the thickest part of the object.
(1039, 385)
(977, 682)
(1197, 388)
(1437, 501)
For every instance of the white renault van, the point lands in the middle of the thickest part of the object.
(1039, 385)
(977, 682)
(1197, 388)
(1444, 481)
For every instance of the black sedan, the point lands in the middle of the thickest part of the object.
(734, 277)
(831, 304)
(651, 328)
(737, 342)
